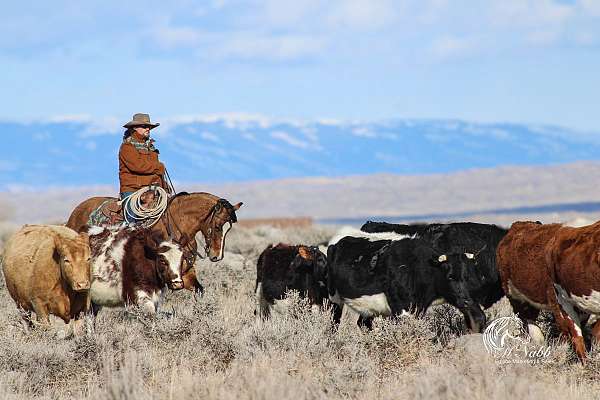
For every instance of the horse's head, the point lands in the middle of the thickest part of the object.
(220, 220)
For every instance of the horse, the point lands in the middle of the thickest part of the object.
(185, 216)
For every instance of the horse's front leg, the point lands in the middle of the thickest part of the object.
(190, 282)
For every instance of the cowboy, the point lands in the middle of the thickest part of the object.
(138, 158)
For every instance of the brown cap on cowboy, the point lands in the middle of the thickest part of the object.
(140, 119)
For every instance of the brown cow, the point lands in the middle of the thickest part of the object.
(46, 268)
(132, 266)
(554, 268)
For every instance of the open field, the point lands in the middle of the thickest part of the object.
(212, 348)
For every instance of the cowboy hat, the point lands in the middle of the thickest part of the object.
(140, 119)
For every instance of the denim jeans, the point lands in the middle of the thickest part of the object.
(123, 195)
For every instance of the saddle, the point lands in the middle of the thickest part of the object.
(109, 213)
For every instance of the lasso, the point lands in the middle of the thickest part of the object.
(136, 213)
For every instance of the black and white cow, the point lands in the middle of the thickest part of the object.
(390, 278)
(461, 240)
(284, 267)
(469, 237)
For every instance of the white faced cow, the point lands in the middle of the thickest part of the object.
(131, 266)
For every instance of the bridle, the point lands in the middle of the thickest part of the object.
(190, 249)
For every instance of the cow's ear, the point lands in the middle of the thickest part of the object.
(305, 253)
(157, 237)
(150, 252)
(237, 206)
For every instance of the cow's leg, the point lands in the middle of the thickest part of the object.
(26, 319)
(190, 282)
(567, 319)
(146, 302)
(336, 311)
(263, 308)
(366, 322)
(41, 313)
(528, 315)
(596, 332)
(474, 317)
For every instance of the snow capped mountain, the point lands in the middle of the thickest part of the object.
(226, 148)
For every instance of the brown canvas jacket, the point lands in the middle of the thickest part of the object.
(138, 168)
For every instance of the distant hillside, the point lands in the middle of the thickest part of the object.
(549, 193)
(230, 149)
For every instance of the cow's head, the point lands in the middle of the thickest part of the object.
(74, 259)
(168, 260)
(311, 265)
(219, 222)
(458, 269)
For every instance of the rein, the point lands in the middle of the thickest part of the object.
(192, 251)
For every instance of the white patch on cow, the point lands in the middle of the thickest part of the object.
(95, 230)
(438, 301)
(404, 313)
(174, 258)
(536, 334)
(224, 233)
(516, 294)
(372, 237)
(149, 302)
(370, 305)
(588, 303)
(564, 300)
(107, 284)
(106, 293)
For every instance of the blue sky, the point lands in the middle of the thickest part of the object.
(533, 61)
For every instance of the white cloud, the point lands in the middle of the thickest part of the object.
(363, 14)
(364, 132)
(211, 137)
(182, 36)
(449, 46)
(270, 47)
(591, 7)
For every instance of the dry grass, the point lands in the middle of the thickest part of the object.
(212, 348)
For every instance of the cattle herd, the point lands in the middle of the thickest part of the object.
(380, 270)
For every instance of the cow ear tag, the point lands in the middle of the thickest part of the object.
(442, 258)
(470, 256)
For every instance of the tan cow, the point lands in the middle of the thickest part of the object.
(46, 268)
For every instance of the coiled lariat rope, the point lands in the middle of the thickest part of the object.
(136, 213)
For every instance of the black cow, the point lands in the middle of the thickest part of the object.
(483, 282)
(402, 229)
(395, 277)
(283, 267)
(469, 237)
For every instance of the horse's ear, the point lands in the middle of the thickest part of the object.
(237, 206)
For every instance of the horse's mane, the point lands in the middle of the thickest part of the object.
(224, 202)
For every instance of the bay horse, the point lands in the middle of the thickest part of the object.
(185, 216)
